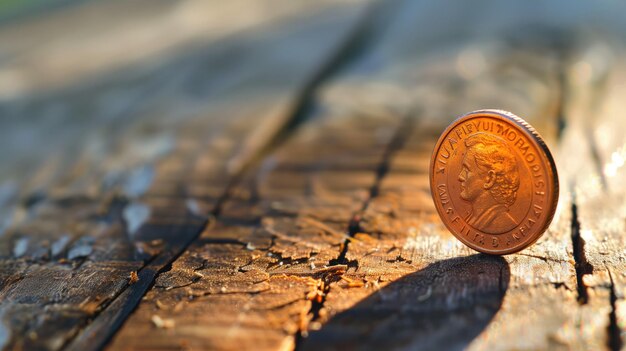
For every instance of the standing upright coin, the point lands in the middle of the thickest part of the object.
(494, 182)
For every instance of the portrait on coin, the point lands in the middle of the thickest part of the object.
(489, 180)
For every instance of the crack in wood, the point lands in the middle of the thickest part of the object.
(614, 341)
(582, 266)
(563, 97)
(358, 40)
(397, 142)
(543, 258)
(98, 333)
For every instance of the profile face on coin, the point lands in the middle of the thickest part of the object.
(494, 182)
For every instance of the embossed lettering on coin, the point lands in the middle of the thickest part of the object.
(494, 182)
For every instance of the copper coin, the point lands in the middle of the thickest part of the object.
(494, 182)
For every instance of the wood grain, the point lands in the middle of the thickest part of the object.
(596, 135)
(133, 196)
(262, 182)
(280, 232)
(419, 282)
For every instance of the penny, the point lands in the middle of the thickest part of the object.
(494, 182)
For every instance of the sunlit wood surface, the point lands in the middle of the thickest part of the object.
(253, 175)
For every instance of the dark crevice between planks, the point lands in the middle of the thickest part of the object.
(563, 96)
(107, 322)
(357, 41)
(376, 18)
(615, 341)
(397, 142)
(304, 101)
(101, 328)
(582, 266)
(360, 39)
(353, 228)
(317, 305)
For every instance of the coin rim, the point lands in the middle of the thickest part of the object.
(532, 133)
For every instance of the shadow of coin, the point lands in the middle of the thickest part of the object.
(441, 307)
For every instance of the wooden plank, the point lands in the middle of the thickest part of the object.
(411, 279)
(598, 187)
(409, 289)
(252, 279)
(132, 197)
(400, 280)
(398, 228)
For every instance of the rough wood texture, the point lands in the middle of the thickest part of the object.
(89, 218)
(278, 232)
(295, 141)
(598, 190)
(411, 284)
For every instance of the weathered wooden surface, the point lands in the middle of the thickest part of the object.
(128, 188)
(296, 143)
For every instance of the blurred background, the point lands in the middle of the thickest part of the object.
(93, 93)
